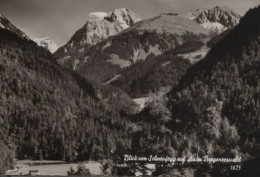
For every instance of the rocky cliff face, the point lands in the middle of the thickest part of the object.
(47, 43)
(99, 26)
(217, 19)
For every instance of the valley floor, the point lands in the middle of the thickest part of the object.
(142, 102)
(51, 168)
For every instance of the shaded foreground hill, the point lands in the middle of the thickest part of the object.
(47, 112)
(217, 102)
(213, 111)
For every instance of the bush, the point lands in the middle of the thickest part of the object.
(82, 171)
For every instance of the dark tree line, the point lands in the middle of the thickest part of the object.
(47, 112)
(216, 104)
(150, 75)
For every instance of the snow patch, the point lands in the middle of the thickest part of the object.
(116, 60)
(66, 57)
(144, 101)
(108, 44)
(214, 26)
(141, 54)
(166, 63)
(47, 43)
(123, 25)
(193, 16)
(113, 79)
(75, 64)
(98, 15)
(81, 50)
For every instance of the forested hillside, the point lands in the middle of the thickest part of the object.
(7, 151)
(214, 110)
(47, 112)
(216, 105)
(145, 39)
(102, 63)
(149, 76)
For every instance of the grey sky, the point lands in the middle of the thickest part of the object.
(59, 19)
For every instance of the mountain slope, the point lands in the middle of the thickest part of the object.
(50, 113)
(214, 109)
(145, 39)
(47, 43)
(218, 99)
(148, 76)
(217, 19)
(100, 25)
(6, 24)
(164, 24)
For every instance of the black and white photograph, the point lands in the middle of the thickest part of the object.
(164, 88)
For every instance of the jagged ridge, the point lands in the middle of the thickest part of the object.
(99, 26)
(6, 24)
(218, 19)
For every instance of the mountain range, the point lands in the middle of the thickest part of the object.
(77, 104)
(113, 58)
(137, 42)
(217, 19)
(99, 26)
(143, 39)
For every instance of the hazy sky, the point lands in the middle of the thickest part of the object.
(59, 19)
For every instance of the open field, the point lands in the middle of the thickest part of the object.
(51, 168)
(198, 55)
(142, 102)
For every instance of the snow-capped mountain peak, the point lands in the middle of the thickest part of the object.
(194, 15)
(100, 26)
(125, 16)
(47, 43)
(218, 19)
